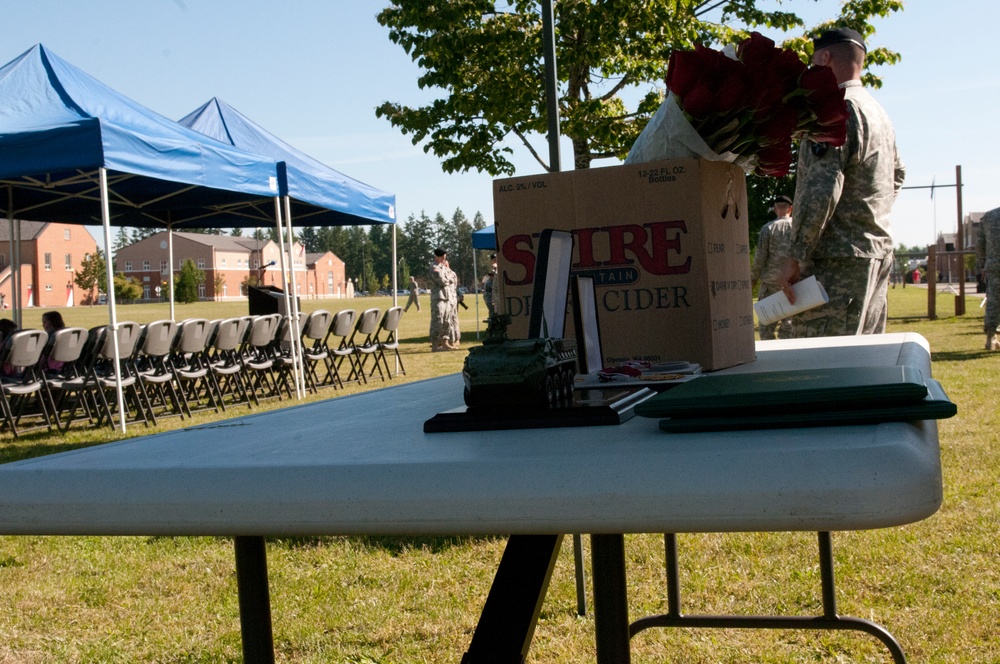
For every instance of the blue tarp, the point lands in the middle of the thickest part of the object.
(485, 238)
(58, 126)
(321, 196)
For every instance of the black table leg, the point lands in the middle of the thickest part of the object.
(510, 614)
(255, 602)
(611, 625)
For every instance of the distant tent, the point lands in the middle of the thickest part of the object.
(320, 195)
(485, 238)
(314, 194)
(74, 150)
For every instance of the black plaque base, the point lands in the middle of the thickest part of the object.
(588, 408)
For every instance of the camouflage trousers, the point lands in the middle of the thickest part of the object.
(440, 322)
(991, 317)
(857, 287)
(451, 329)
(413, 300)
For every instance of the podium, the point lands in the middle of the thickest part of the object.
(264, 300)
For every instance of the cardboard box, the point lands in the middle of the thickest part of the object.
(667, 244)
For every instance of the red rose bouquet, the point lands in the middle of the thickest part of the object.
(744, 106)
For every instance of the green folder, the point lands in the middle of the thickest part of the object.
(781, 393)
(935, 406)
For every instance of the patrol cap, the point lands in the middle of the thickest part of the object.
(781, 198)
(839, 36)
(440, 252)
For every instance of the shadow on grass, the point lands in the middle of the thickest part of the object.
(36, 444)
(392, 545)
(958, 355)
(399, 545)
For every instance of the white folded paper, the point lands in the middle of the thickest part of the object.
(809, 294)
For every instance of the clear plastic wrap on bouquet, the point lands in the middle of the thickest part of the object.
(669, 135)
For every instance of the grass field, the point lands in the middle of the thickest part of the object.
(934, 584)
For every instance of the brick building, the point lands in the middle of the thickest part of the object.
(51, 253)
(227, 262)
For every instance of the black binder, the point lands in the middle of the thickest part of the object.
(935, 406)
(781, 393)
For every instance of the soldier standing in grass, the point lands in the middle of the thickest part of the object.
(769, 257)
(988, 262)
(843, 196)
(442, 282)
(414, 298)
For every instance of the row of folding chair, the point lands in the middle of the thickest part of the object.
(177, 369)
(337, 348)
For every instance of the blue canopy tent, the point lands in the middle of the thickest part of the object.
(74, 150)
(312, 192)
(485, 238)
(320, 195)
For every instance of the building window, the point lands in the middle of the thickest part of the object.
(225, 289)
(163, 266)
(3, 260)
(223, 261)
(201, 263)
(48, 287)
(145, 292)
(128, 266)
(201, 290)
(69, 262)
(145, 265)
(255, 263)
(66, 235)
(48, 261)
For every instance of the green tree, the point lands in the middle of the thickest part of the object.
(219, 282)
(187, 281)
(485, 58)
(127, 289)
(92, 275)
(309, 238)
(419, 245)
(122, 239)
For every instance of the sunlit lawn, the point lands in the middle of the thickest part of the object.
(934, 584)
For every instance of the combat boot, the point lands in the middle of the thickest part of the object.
(992, 343)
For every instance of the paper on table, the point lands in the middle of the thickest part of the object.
(809, 294)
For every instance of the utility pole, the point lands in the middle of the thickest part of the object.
(960, 244)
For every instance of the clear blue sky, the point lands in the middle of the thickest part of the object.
(312, 72)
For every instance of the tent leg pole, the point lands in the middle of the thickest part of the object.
(297, 341)
(112, 312)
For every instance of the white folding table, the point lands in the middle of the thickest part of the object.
(361, 465)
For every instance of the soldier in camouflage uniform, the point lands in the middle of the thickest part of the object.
(442, 282)
(769, 257)
(988, 261)
(843, 196)
(488, 286)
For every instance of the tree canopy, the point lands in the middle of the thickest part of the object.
(484, 58)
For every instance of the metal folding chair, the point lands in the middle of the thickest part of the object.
(363, 342)
(258, 357)
(226, 365)
(23, 384)
(190, 363)
(154, 370)
(65, 348)
(314, 350)
(337, 343)
(386, 339)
